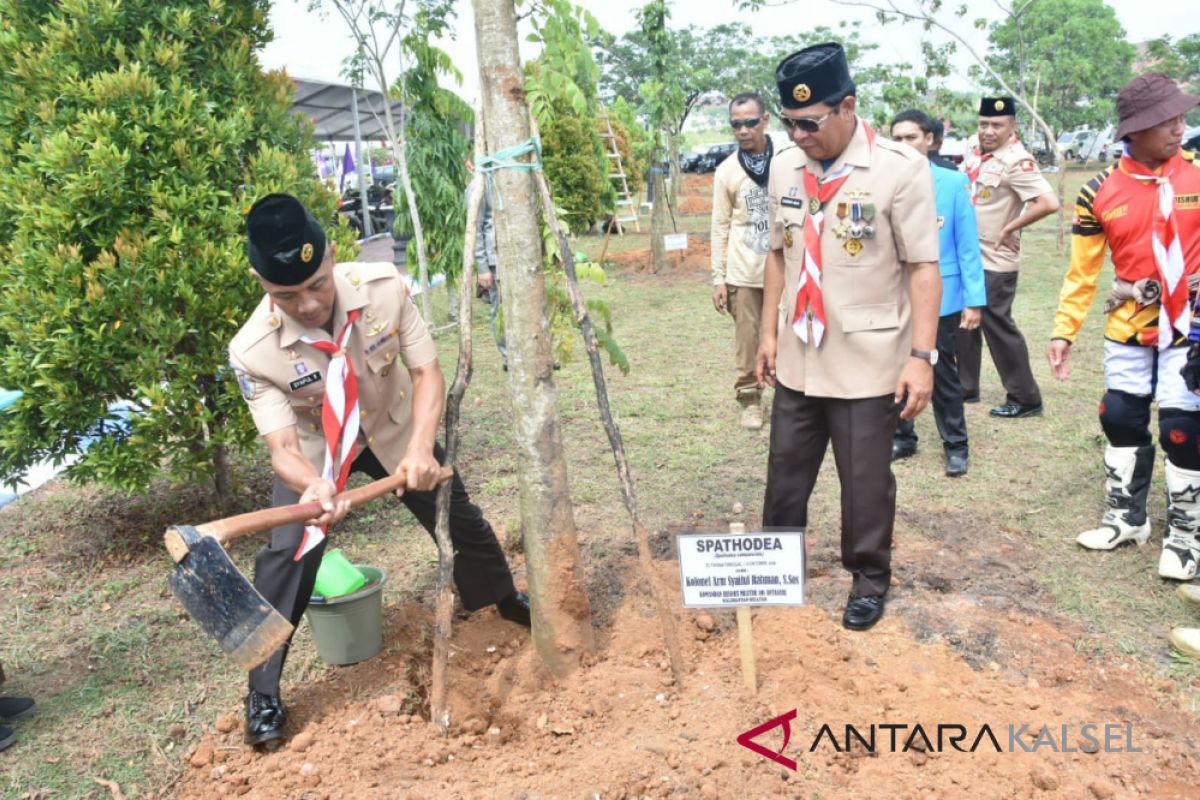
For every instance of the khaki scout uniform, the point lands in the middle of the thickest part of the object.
(283, 381)
(842, 390)
(1008, 180)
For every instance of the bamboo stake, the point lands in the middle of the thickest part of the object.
(628, 489)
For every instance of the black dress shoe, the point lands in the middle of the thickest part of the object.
(1017, 410)
(515, 608)
(956, 463)
(7, 737)
(15, 708)
(862, 613)
(903, 448)
(265, 717)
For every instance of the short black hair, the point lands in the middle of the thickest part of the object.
(917, 117)
(939, 131)
(748, 97)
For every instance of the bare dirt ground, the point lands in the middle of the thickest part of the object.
(967, 642)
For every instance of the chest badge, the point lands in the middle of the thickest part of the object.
(853, 247)
(787, 237)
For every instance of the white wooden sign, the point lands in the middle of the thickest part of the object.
(675, 241)
(741, 569)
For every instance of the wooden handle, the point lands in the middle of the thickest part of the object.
(224, 530)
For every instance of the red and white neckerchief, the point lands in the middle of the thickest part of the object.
(1173, 309)
(810, 306)
(973, 165)
(339, 418)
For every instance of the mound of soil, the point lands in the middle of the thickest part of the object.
(697, 258)
(696, 185)
(621, 728)
(695, 204)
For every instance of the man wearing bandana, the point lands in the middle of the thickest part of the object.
(340, 374)
(1145, 210)
(740, 238)
(852, 289)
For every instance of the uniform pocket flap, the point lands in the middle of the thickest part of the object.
(876, 317)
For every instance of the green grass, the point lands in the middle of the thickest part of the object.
(92, 632)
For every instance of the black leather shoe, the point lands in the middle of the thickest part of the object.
(1017, 410)
(862, 613)
(265, 717)
(7, 737)
(15, 708)
(515, 608)
(956, 464)
(903, 448)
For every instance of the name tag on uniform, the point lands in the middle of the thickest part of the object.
(791, 202)
(300, 383)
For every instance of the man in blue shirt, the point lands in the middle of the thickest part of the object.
(963, 295)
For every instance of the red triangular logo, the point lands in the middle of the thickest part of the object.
(747, 739)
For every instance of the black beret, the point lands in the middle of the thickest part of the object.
(285, 243)
(997, 107)
(813, 75)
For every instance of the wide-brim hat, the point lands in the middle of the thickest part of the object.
(284, 242)
(813, 75)
(1150, 100)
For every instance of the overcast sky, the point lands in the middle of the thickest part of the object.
(309, 46)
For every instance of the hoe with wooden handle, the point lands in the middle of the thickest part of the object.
(220, 598)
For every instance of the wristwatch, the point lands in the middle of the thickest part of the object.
(926, 355)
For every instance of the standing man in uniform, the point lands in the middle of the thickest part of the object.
(1146, 210)
(1009, 194)
(963, 295)
(740, 239)
(341, 374)
(853, 290)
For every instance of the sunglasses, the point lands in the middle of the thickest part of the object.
(745, 123)
(806, 124)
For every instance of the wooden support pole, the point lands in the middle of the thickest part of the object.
(745, 633)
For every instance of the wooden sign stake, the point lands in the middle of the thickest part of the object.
(745, 633)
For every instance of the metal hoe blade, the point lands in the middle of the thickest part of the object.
(226, 605)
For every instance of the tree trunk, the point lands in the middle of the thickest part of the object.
(673, 174)
(658, 220)
(562, 619)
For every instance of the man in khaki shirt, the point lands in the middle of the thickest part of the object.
(853, 287)
(315, 317)
(740, 237)
(1009, 193)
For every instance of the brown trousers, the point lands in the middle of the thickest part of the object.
(861, 432)
(1005, 342)
(745, 305)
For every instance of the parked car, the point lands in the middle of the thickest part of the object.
(1191, 139)
(689, 161)
(714, 155)
(1085, 145)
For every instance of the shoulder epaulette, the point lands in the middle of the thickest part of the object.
(257, 328)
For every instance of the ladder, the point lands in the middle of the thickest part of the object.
(626, 210)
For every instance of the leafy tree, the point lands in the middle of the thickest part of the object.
(439, 148)
(1180, 59)
(1071, 54)
(569, 155)
(564, 99)
(133, 138)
